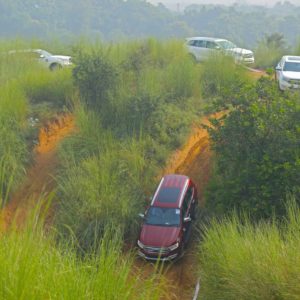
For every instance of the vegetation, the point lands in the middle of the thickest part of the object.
(270, 50)
(35, 267)
(27, 91)
(221, 77)
(133, 104)
(240, 260)
(257, 151)
(117, 20)
(138, 102)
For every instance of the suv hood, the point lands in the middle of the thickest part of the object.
(159, 236)
(240, 51)
(291, 75)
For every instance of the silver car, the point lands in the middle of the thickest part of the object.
(287, 72)
(202, 47)
(49, 60)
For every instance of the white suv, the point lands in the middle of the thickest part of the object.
(287, 72)
(202, 47)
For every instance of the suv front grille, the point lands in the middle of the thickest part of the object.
(248, 55)
(157, 250)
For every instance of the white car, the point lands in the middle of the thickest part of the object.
(51, 61)
(287, 72)
(203, 47)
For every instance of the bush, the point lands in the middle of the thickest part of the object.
(239, 260)
(257, 151)
(35, 267)
(141, 110)
(270, 50)
(96, 77)
(13, 149)
(220, 75)
(53, 88)
(102, 183)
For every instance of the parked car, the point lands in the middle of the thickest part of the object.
(287, 72)
(53, 62)
(167, 221)
(200, 48)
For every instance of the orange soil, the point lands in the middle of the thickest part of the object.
(194, 160)
(39, 180)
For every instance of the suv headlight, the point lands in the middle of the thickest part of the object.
(173, 247)
(141, 245)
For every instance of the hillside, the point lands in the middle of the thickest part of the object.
(133, 112)
(117, 20)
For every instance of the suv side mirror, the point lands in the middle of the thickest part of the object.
(278, 68)
(142, 216)
(187, 219)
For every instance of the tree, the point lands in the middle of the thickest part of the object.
(257, 151)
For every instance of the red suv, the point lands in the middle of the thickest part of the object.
(167, 221)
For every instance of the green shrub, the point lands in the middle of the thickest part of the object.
(270, 50)
(239, 260)
(34, 266)
(96, 77)
(13, 149)
(220, 76)
(54, 88)
(256, 148)
(141, 101)
(102, 182)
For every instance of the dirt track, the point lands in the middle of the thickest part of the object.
(194, 160)
(39, 178)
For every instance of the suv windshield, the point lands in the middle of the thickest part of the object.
(163, 216)
(291, 67)
(226, 45)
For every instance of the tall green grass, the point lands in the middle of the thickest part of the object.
(240, 260)
(13, 150)
(137, 103)
(221, 78)
(34, 266)
(102, 181)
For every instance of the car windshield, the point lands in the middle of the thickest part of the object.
(163, 216)
(226, 45)
(291, 67)
(43, 52)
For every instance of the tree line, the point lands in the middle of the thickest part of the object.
(115, 20)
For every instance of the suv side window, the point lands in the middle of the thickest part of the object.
(200, 43)
(187, 200)
(211, 45)
(192, 43)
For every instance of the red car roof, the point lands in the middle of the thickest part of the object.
(170, 191)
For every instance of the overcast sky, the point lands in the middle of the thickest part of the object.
(180, 4)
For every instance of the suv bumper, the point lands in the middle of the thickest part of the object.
(157, 258)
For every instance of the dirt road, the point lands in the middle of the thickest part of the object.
(39, 178)
(194, 160)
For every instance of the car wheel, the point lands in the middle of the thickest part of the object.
(55, 67)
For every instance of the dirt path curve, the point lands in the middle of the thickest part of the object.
(194, 160)
(39, 177)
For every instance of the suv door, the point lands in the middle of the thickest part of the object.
(198, 49)
(187, 210)
(212, 47)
